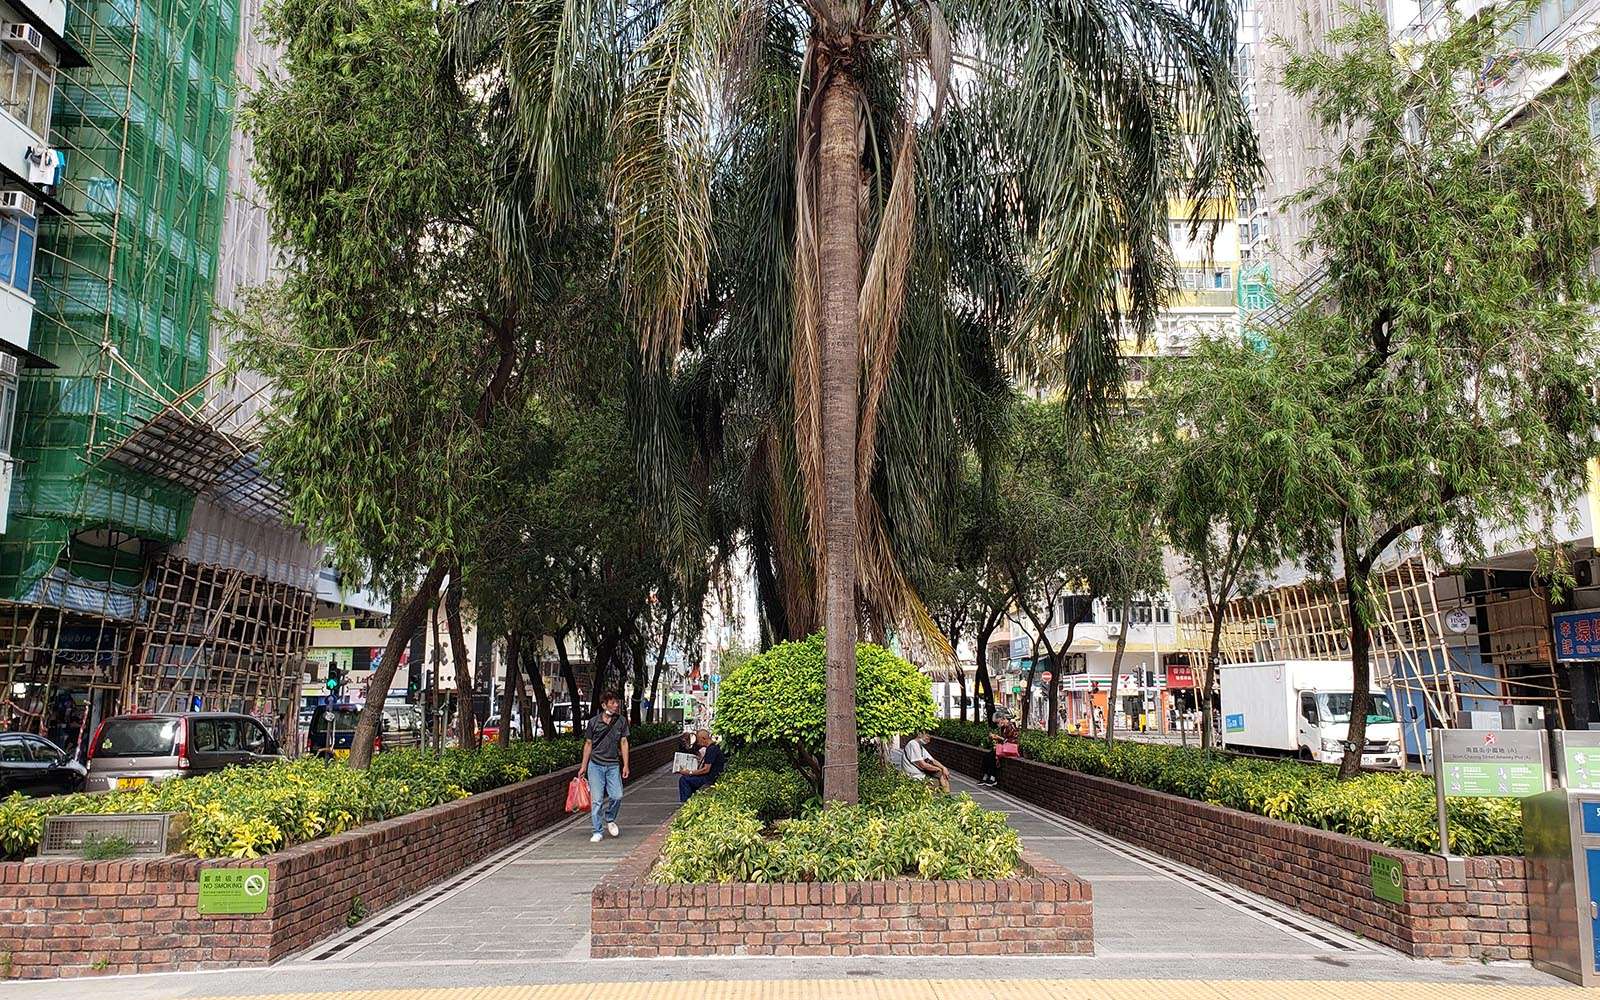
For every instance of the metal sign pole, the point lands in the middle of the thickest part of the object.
(1455, 868)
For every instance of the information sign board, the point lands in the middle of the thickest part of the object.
(233, 890)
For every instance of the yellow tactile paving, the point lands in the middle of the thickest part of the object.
(965, 989)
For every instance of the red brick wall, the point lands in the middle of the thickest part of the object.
(79, 918)
(1326, 875)
(1045, 912)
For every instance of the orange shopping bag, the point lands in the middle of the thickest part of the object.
(578, 795)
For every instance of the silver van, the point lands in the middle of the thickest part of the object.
(133, 750)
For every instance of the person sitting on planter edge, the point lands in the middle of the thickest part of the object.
(919, 763)
(711, 761)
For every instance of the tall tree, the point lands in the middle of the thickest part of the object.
(411, 305)
(828, 143)
(1244, 457)
(1452, 346)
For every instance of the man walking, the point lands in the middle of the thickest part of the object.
(605, 764)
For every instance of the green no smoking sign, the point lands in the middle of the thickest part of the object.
(1388, 879)
(233, 890)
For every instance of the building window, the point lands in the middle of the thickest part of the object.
(1205, 279)
(1140, 613)
(1074, 608)
(16, 251)
(8, 410)
(25, 86)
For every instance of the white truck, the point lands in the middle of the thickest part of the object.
(1302, 707)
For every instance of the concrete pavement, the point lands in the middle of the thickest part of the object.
(518, 923)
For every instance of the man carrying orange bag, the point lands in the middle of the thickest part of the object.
(605, 764)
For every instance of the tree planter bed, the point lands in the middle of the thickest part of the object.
(1326, 875)
(80, 918)
(1044, 911)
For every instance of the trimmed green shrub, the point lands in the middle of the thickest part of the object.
(753, 826)
(779, 699)
(1393, 808)
(250, 811)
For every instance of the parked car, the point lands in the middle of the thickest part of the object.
(332, 730)
(34, 766)
(133, 750)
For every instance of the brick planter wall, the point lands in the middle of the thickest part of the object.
(85, 917)
(1327, 875)
(1047, 911)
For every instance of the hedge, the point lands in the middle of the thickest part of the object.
(1395, 808)
(763, 825)
(245, 812)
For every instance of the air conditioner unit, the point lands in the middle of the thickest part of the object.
(1113, 628)
(18, 203)
(19, 35)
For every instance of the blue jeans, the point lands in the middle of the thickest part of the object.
(605, 793)
(688, 784)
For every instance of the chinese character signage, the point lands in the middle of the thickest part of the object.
(1491, 762)
(1180, 675)
(1577, 635)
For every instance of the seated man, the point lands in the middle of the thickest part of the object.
(711, 761)
(919, 763)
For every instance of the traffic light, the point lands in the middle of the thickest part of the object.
(335, 681)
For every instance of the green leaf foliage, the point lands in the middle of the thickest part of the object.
(752, 826)
(777, 698)
(1393, 808)
(245, 812)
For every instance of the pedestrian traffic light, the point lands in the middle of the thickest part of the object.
(335, 679)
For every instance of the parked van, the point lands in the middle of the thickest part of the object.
(133, 750)
(1302, 707)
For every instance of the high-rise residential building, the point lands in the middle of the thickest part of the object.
(145, 564)
(34, 52)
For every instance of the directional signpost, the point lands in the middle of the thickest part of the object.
(1485, 763)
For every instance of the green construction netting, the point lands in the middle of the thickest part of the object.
(124, 285)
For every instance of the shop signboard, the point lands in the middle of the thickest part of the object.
(1577, 635)
(1180, 675)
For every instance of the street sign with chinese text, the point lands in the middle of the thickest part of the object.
(1577, 635)
(1578, 759)
(1388, 879)
(1494, 763)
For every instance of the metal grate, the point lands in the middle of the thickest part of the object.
(142, 833)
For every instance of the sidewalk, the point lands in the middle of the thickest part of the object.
(515, 927)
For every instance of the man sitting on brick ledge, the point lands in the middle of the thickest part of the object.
(919, 763)
(711, 761)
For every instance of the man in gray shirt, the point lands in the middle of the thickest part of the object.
(605, 764)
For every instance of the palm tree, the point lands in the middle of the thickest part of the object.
(823, 183)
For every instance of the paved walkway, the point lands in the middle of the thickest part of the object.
(515, 925)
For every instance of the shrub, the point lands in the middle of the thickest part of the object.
(1394, 808)
(251, 811)
(751, 827)
(778, 699)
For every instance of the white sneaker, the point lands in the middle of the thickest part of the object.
(612, 829)
(600, 836)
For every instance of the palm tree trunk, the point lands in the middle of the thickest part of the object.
(839, 253)
(466, 723)
(401, 630)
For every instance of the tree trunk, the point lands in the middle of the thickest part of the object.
(1053, 724)
(661, 657)
(599, 677)
(1116, 671)
(640, 678)
(466, 720)
(570, 677)
(508, 700)
(524, 703)
(1027, 687)
(401, 629)
(983, 682)
(534, 678)
(839, 254)
(1208, 677)
(1357, 589)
